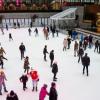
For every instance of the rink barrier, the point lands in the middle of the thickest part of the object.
(95, 35)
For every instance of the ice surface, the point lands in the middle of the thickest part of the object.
(71, 84)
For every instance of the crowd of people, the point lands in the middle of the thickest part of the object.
(79, 46)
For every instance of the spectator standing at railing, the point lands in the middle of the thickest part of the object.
(90, 40)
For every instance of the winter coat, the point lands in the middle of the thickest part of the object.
(22, 48)
(2, 51)
(24, 78)
(34, 75)
(51, 55)
(26, 64)
(65, 42)
(45, 51)
(54, 68)
(86, 61)
(43, 93)
(90, 38)
(69, 40)
(13, 97)
(75, 46)
(81, 51)
(97, 43)
(53, 94)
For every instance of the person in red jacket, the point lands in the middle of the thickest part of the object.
(35, 79)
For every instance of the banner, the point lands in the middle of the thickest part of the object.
(1, 3)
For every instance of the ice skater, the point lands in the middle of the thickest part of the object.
(12, 96)
(2, 82)
(36, 32)
(22, 50)
(35, 79)
(1, 60)
(43, 92)
(53, 95)
(44, 52)
(55, 70)
(51, 57)
(10, 37)
(24, 80)
(29, 30)
(85, 63)
(26, 64)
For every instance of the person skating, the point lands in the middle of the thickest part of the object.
(43, 92)
(75, 49)
(85, 63)
(22, 50)
(18, 24)
(2, 82)
(12, 96)
(64, 44)
(51, 57)
(35, 78)
(90, 41)
(53, 92)
(45, 33)
(69, 42)
(36, 31)
(55, 70)
(2, 51)
(44, 52)
(96, 46)
(6, 27)
(80, 54)
(26, 64)
(1, 60)
(14, 25)
(85, 44)
(10, 37)
(29, 30)
(24, 80)
(99, 47)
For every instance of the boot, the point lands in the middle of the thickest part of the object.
(33, 89)
(0, 93)
(36, 88)
(5, 90)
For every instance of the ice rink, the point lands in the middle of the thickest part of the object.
(71, 84)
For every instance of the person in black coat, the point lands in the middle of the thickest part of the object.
(36, 31)
(29, 30)
(69, 42)
(12, 96)
(90, 40)
(6, 27)
(22, 50)
(18, 24)
(96, 46)
(99, 47)
(54, 70)
(10, 37)
(80, 53)
(51, 57)
(1, 60)
(44, 52)
(24, 79)
(53, 92)
(85, 63)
